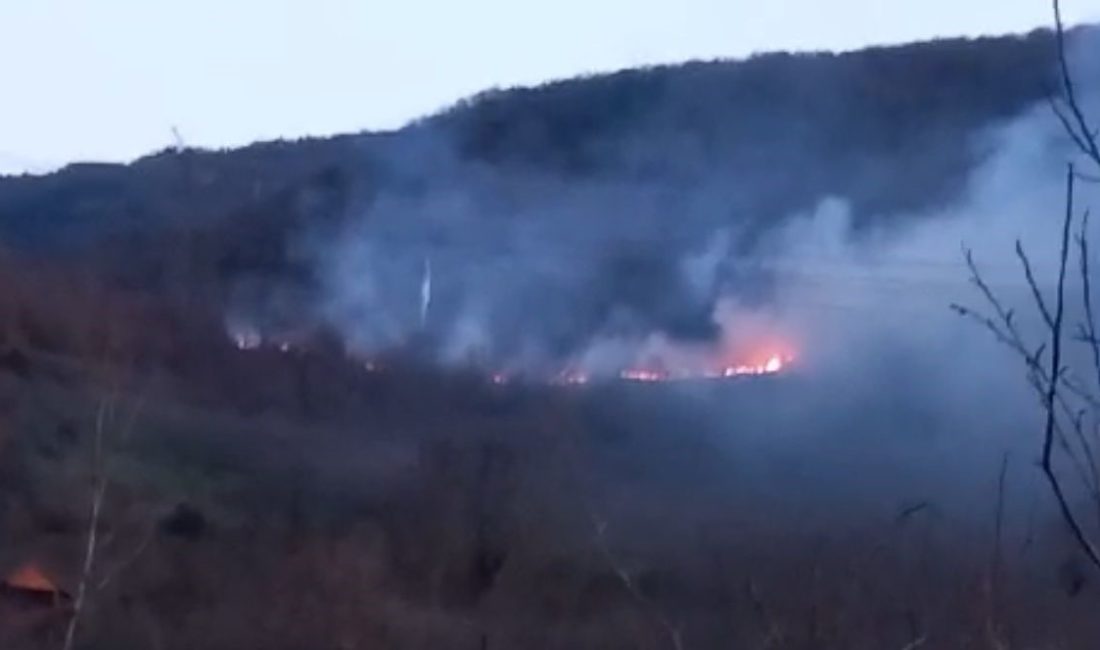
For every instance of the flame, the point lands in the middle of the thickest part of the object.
(672, 364)
(772, 364)
(643, 374)
(655, 360)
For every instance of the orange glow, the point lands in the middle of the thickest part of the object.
(770, 364)
(655, 359)
(30, 578)
(642, 374)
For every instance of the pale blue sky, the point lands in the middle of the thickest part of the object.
(107, 79)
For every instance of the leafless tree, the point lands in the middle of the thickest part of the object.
(1071, 406)
(91, 544)
(626, 579)
(115, 417)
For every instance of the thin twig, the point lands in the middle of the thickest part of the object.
(121, 565)
(675, 637)
(99, 491)
(1086, 288)
(1007, 334)
(573, 467)
(1033, 285)
(1081, 132)
(1052, 392)
(1067, 125)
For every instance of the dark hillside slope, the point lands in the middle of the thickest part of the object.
(888, 127)
(790, 125)
(87, 202)
(589, 193)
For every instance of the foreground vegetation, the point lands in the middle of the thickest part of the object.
(294, 499)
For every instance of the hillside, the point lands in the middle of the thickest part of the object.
(319, 383)
(589, 192)
(890, 128)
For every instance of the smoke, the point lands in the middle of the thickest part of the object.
(902, 397)
(526, 271)
(536, 273)
(535, 270)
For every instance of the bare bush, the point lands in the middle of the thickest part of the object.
(1071, 405)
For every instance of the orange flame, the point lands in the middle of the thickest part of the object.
(773, 363)
(642, 374)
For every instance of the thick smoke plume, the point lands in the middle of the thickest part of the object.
(537, 273)
(533, 271)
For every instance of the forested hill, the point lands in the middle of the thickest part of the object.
(891, 129)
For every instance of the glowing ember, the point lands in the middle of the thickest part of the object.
(30, 578)
(641, 374)
(663, 361)
(772, 365)
(571, 378)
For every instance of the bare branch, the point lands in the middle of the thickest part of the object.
(1068, 125)
(1086, 288)
(675, 637)
(99, 491)
(1033, 285)
(1052, 390)
(1047, 381)
(1005, 331)
(1080, 130)
(121, 565)
(106, 419)
(1086, 470)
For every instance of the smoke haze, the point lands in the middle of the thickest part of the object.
(888, 396)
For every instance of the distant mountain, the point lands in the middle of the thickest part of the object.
(888, 127)
(622, 174)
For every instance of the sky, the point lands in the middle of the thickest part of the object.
(110, 79)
